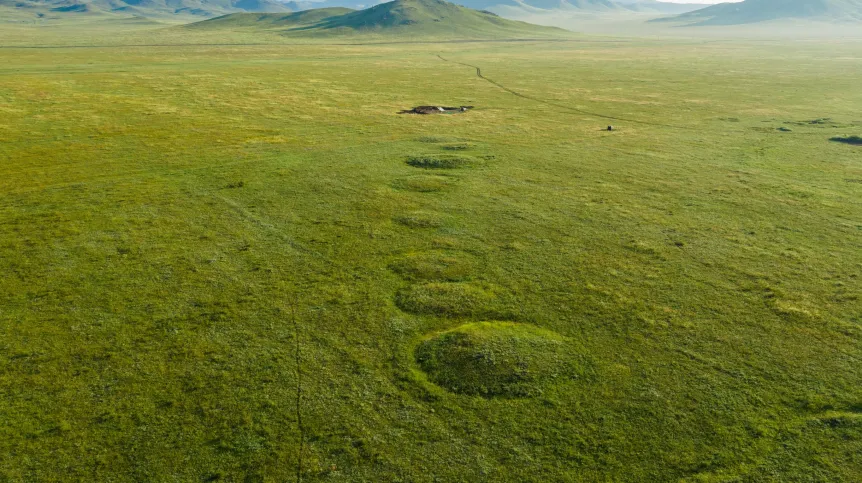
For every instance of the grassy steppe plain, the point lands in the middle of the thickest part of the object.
(190, 234)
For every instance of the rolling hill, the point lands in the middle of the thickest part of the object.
(518, 8)
(140, 8)
(182, 9)
(754, 11)
(414, 18)
(272, 20)
(572, 6)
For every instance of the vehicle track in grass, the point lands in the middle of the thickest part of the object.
(667, 235)
(298, 408)
(560, 106)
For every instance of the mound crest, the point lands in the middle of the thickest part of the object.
(440, 161)
(462, 146)
(438, 139)
(423, 183)
(420, 219)
(854, 140)
(491, 359)
(446, 299)
(434, 265)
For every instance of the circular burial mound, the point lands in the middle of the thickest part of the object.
(446, 299)
(435, 265)
(457, 146)
(440, 161)
(438, 139)
(423, 183)
(420, 219)
(494, 359)
(854, 140)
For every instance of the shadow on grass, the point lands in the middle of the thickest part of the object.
(853, 140)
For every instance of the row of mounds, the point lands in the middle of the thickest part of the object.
(436, 110)
(483, 351)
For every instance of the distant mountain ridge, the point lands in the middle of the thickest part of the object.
(610, 6)
(754, 11)
(213, 8)
(413, 18)
(146, 8)
(272, 20)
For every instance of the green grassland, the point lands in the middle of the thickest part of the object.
(238, 263)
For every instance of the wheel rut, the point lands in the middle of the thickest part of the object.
(559, 106)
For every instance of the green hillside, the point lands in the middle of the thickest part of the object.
(753, 11)
(271, 20)
(77, 9)
(422, 18)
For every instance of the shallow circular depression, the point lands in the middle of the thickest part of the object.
(497, 359)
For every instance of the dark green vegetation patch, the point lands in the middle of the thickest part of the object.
(440, 161)
(496, 359)
(435, 265)
(854, 140)
(446, 299)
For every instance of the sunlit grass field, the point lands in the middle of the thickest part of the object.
(218, 264)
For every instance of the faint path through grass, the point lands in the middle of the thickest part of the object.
(561, 106)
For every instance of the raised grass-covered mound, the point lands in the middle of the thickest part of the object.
(495, 359)
(423, 183)
(447, 299)
(419, 219)
(440, 161)
(854, 140)
(435, 265)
